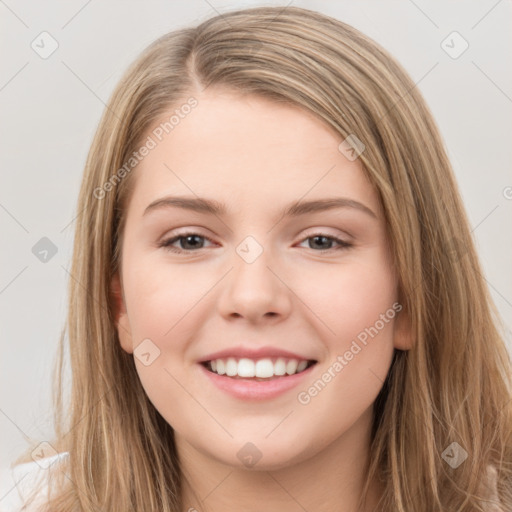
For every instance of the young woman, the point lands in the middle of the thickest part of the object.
(275, 295)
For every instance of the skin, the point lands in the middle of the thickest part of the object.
(257, 156)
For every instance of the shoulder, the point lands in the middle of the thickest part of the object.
(18, 483)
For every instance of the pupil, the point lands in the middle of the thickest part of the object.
(316, 238)
(191, 237)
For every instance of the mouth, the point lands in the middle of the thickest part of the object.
(257, 370)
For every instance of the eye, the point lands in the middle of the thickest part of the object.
(188, 239)
(190, 242)
(320, 238)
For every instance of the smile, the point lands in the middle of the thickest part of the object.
(244, 382)
(257, 369)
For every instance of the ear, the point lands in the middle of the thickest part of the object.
(120, 315)
(403, 339)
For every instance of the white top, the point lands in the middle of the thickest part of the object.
(18, 482)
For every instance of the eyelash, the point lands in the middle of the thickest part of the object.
(166, 244)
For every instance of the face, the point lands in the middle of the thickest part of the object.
(314, 284)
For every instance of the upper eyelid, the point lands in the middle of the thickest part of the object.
(197, 231)
(184, 234)
(319, 232)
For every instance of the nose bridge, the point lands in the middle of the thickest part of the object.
(250, 249)
(251, 271)
(254, 290)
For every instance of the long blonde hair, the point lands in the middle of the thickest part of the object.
(453, 386)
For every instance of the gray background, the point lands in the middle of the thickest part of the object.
(50, 109)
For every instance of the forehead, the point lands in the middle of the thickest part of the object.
(247, 151)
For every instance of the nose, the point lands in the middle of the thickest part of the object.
(255, 289)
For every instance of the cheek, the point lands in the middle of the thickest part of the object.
(160, 296)
(359, 310)
(354, 308)
(164, 303)
(347, 298)
(161, 305)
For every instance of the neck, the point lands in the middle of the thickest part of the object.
(330, 480)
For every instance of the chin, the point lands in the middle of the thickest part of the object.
(264, 455)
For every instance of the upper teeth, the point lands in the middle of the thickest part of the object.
(262, 368)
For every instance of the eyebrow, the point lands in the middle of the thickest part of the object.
(210, 206)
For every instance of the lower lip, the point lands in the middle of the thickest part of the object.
(248, 389)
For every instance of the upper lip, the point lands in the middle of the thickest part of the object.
(253, 353)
